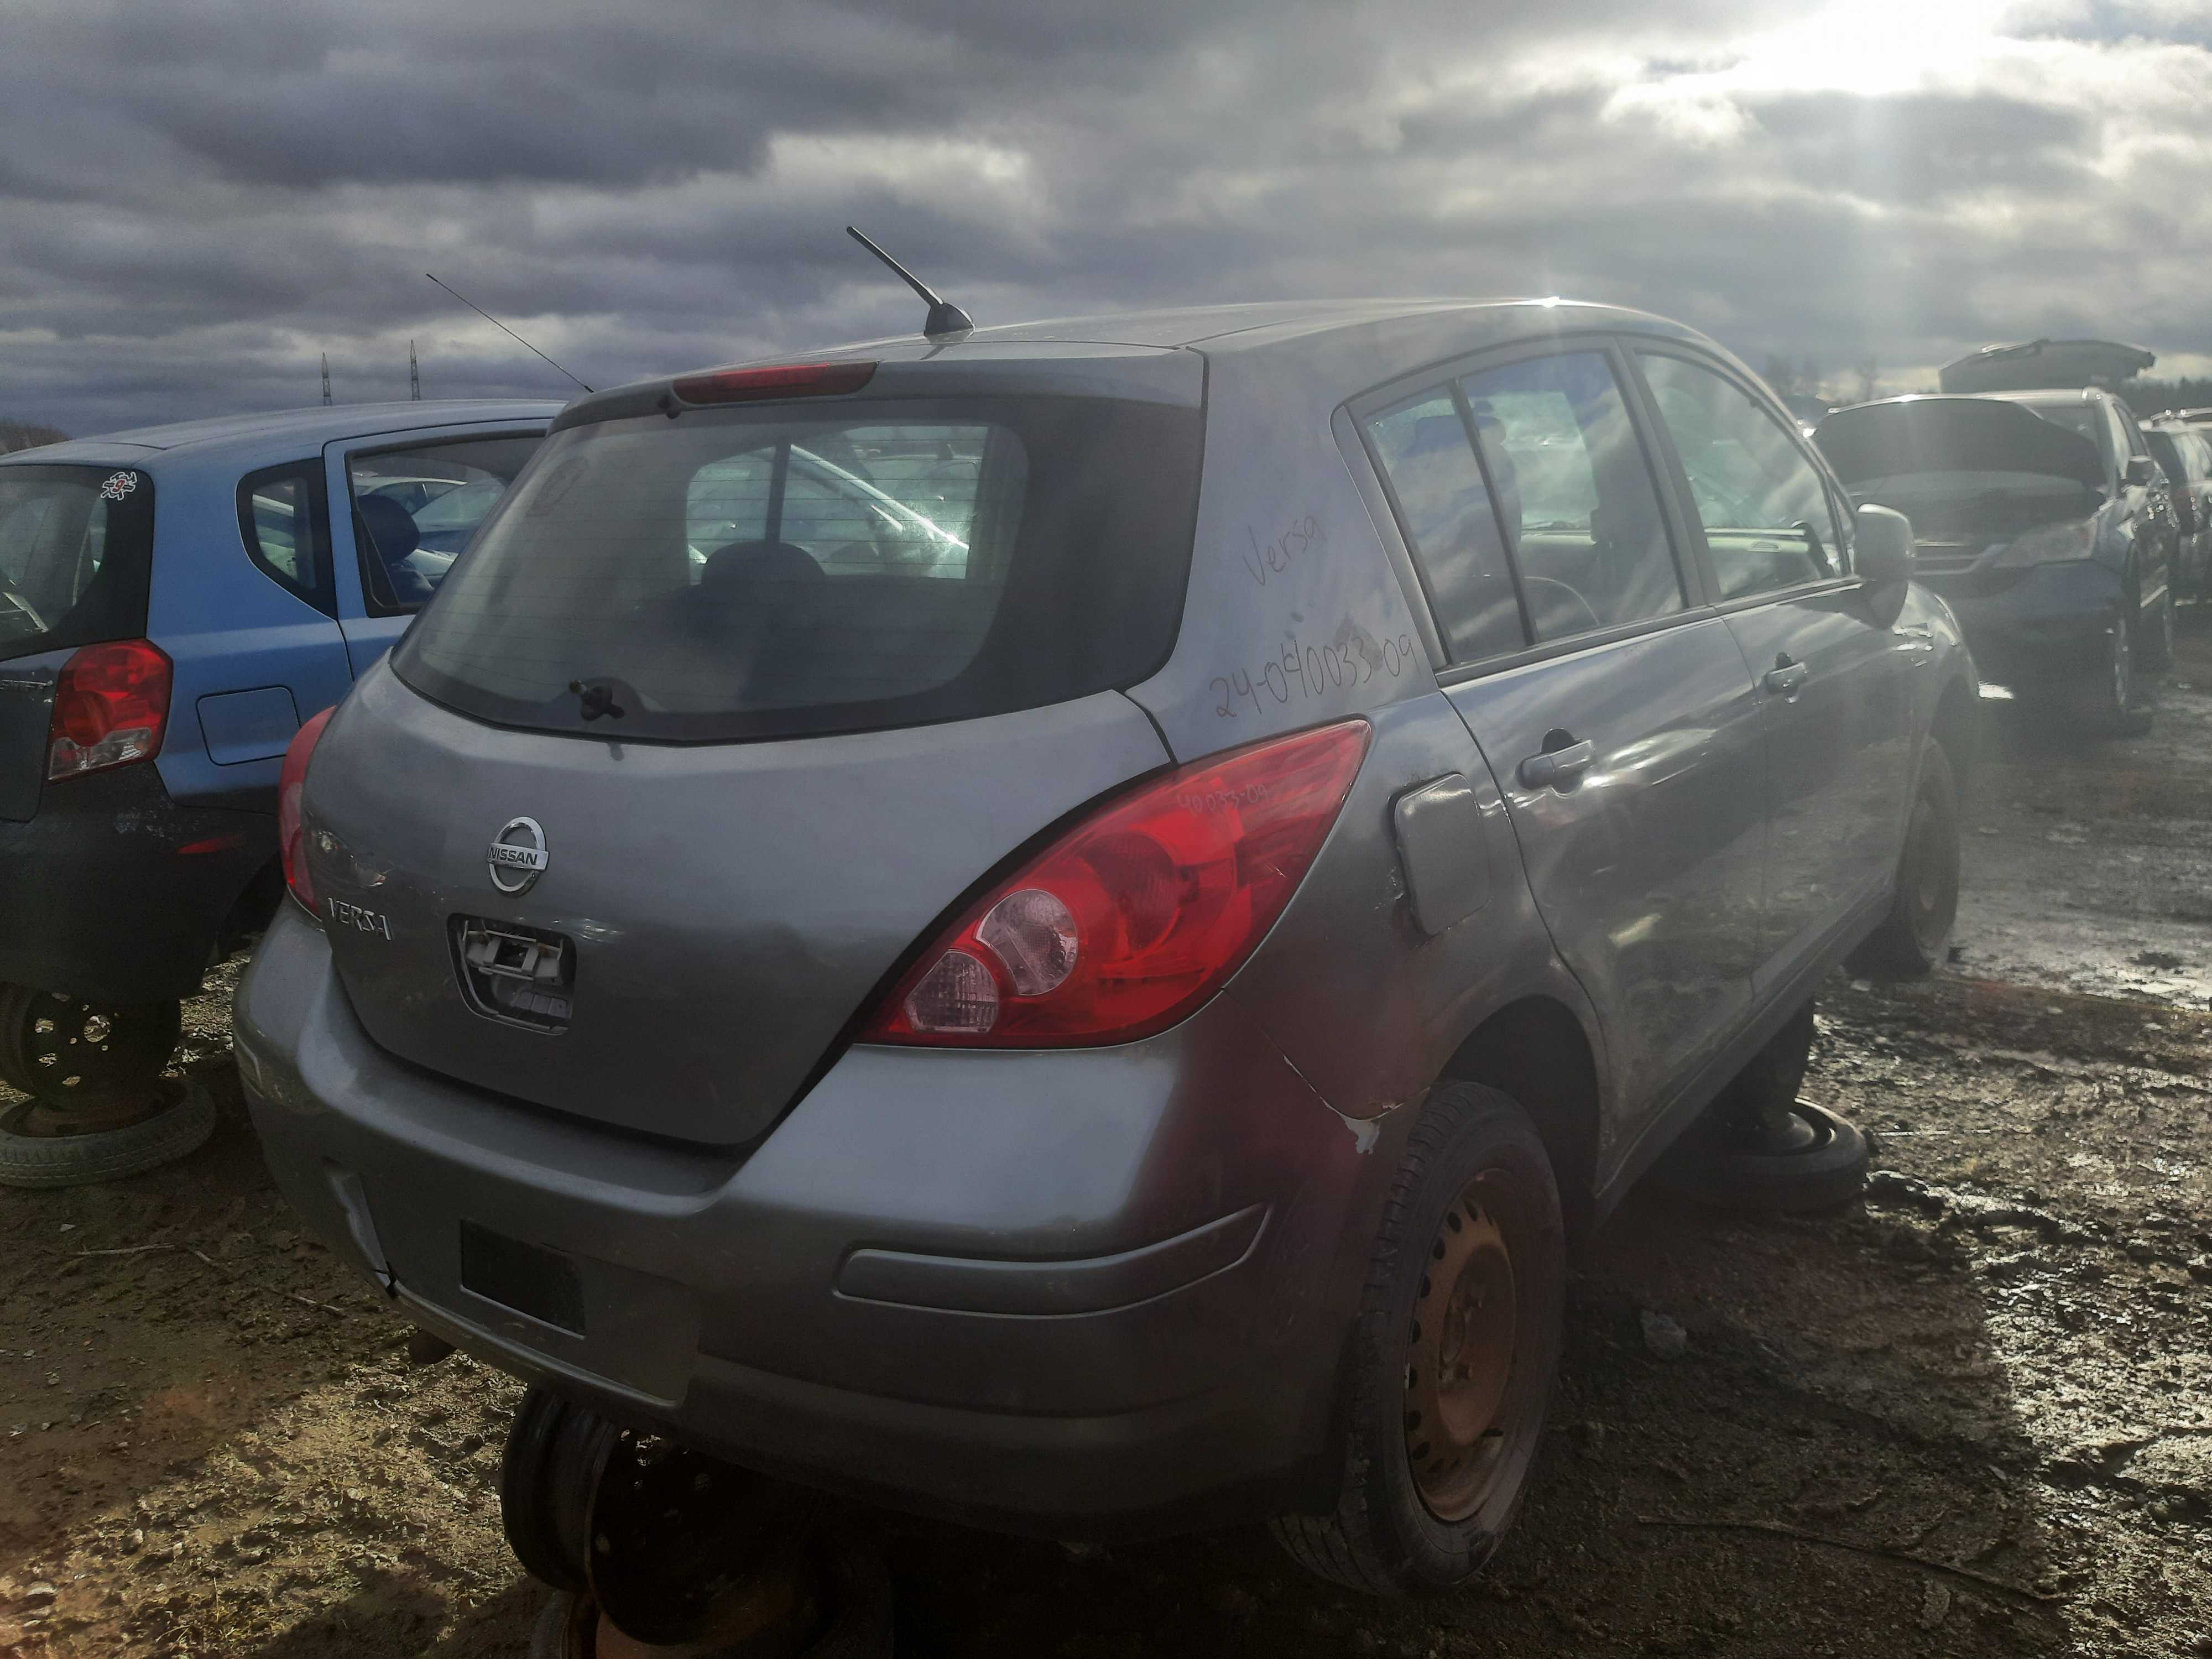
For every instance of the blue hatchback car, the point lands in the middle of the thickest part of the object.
(174, 602)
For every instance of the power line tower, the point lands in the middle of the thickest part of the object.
(414, 376)
(326, 378)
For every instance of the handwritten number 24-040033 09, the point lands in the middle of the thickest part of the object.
(1302, 671)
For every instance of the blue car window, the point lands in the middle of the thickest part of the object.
(284, 521)
(416, 509)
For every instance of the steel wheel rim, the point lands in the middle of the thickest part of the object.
(70, 1051)
(1461, 1344)
(2123, 668)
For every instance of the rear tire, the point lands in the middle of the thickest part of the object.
(1915, 937)
(1435, 1464)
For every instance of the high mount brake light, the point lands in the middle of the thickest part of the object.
(1139, 912)
(111, 708)
(745, 386)
(291, 827)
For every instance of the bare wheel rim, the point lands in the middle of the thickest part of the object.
(74, 1050)
(1460, 1350)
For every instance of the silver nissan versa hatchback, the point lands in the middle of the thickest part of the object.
(1060, 925)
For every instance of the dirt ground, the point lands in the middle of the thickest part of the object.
(1968, 1416)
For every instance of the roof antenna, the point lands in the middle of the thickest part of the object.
(501, 326)
(943, 319)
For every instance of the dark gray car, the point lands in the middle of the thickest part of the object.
(1059, 925)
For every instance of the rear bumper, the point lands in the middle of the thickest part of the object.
(2048, 619)
(115, 893)
(1096, 1292)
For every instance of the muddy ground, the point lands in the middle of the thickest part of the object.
(1968, 1416)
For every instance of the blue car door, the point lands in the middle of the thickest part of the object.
(404, 505)
(247, 609)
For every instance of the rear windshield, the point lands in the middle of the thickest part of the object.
(76, 549)
(766, 573)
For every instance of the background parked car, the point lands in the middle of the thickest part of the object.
(173, 602)
(2183, 453)
(2042, 519)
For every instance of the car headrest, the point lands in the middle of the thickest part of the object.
(391, 527)
(749, 564)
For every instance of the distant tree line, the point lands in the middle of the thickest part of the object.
(2155, 396)
(26, 434)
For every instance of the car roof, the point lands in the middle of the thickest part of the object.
(1269, 325)
(317, 424)
(1392, 336)
(2087, 394)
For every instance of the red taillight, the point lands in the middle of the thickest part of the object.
(111, 706)
(1137, 915)
(291, 830)
(745, 386)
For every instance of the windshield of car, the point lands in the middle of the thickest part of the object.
(748, 574)
(75, 549)
(2087, 419)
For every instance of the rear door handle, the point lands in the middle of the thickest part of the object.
(1557, 768)
(1784, 679)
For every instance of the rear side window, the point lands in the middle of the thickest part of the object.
(774, 571)
(76, 552)
(287, 529)
(1576, 493)
(414, 509)
(1444, 506)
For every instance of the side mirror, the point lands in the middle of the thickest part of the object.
(1884, 557)
(2141, 470)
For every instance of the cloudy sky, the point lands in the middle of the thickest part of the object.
(197, 199)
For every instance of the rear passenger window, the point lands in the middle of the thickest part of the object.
(1446, 512)
(1575, 493)
(1766, 508)
(286, 528)
(859, 502)
(414, 509)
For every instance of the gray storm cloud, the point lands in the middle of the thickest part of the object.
(197, 200)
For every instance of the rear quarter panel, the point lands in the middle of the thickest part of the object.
(228, 627)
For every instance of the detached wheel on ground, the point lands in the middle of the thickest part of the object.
(1757, 1147)
(1455, 1354)
(62, 1048)
(1915, 936)
(78, 1142)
